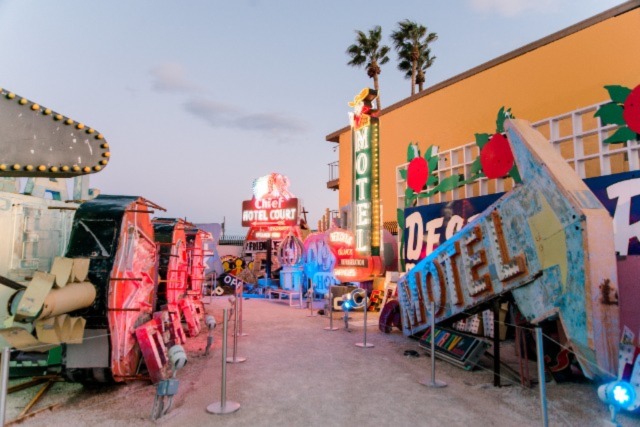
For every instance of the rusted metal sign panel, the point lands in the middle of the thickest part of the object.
(173, 263)
(550, 241)
(36, 141)
(116, 233)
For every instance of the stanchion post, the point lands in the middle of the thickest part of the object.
(364, 343)
(433, 383)
(242, 334)
(310, 301)
(300, 286)
(496, 343)
(213, 286)
(235, 358)
(223, 406)
(330, 302)
(4, 381)
(541, 377)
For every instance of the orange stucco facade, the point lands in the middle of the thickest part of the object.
(562, 72)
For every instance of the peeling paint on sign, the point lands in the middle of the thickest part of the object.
(549, 241)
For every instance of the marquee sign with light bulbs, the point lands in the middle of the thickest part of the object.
(366, 196)
(272, 203)
(271, 214)
(39, 142)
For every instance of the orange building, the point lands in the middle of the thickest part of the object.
(556, 83)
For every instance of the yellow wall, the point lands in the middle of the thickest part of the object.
(566, 74)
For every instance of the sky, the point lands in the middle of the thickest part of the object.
(197, 98)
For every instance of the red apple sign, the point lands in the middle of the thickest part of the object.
(631, 112)
(496, 157)
(417, 174)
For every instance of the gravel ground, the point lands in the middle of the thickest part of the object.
(297, 373)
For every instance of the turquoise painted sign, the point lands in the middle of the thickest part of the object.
(548, 241)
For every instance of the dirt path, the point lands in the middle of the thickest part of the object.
(297, 373)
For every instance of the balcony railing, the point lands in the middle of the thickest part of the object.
(334, 176)
(576, 135)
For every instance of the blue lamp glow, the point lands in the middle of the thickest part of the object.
(621, 395)
(618, 393)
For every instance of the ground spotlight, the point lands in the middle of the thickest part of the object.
(177, 357)
(619, 393)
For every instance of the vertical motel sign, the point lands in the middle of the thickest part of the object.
(365, 191)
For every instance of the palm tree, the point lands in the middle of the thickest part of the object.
(425, 60)
(367, 51)
(411, 41)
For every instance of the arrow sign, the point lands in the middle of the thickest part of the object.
(549, 241)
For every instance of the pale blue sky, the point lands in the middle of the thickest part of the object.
(198, 98)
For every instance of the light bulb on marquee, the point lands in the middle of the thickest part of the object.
(365, 174)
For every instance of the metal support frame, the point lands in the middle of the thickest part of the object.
(496, 343)
(364, 343)
(330, 302)
(4, 381)
(541, 377)
(310, 300)
(433, 383)
(242, 334)
(224, 406)
(235, 358)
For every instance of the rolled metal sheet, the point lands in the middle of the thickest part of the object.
(74, 296)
